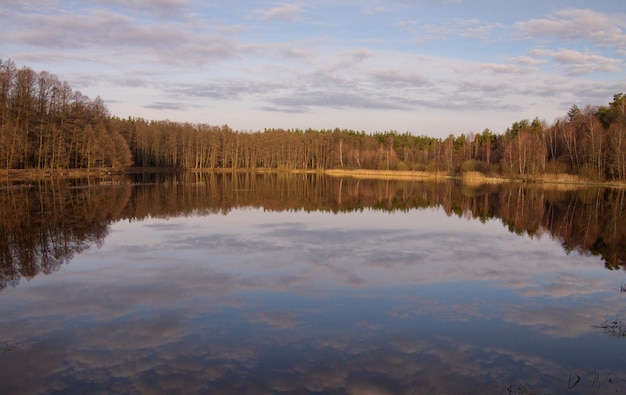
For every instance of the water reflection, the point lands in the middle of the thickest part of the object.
(45, 224)
(311, 284)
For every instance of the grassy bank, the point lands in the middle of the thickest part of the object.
(470, 178)
(40, 174)
(387, 174)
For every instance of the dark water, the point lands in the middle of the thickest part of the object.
(308, 284)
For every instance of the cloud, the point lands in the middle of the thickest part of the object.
(449, 29)
(345, 61)
(401, 78)
(166, 106)
(222, 89)
(283, 13)
(302, 100)
(97, 28)
(118, 36)
(527, 60)
(577, 63)
(574, 24)
(160, 8)
(374, 10)
(294, 52)
(499, 68)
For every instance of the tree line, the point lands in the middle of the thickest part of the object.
(44, 124)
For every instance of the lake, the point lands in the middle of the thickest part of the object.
(279, 283)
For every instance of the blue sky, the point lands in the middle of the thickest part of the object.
(434, 67)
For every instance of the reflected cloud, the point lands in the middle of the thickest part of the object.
(280, 319)
(567, 284)
(342, 301)
(563, 320)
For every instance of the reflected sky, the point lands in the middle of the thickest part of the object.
(266, 302)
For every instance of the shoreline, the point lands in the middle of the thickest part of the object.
(473, 178)
(469, 178)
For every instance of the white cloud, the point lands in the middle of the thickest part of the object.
(160, 8)
(104, 35)
(576, 63)
(375, 10)
(449, 29)
(575, 24)
(528, 60)
(346, 61)
(401, 77)
(500, 68)
(284, 13)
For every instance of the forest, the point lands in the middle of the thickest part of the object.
(46, 125)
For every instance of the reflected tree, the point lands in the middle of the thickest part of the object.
(43, 225)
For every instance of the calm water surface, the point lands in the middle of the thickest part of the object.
(310, 286)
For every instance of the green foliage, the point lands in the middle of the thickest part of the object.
(614, 111)
(516, 127)
(573, 112)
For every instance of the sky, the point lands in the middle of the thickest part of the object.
(427, 67)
